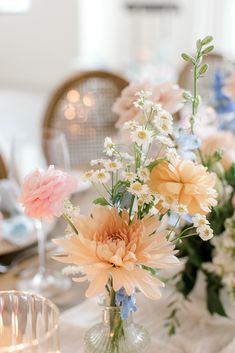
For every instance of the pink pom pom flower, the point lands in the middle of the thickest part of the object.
(43, 192)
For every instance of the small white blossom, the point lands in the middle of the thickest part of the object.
(72, 270)
(205, 232)
(112, 166)
(199, 221)
(71, 211)
(142, 136)
(168, 202)
(97, 162)
(172, 155)
(164, 140)
(88, 175)
(143, 174)
(153, 211)
(138, 189)
(109, 146)
(128, 176)
(130, 125)
(181, 209)
(163, 121)
(143, 94)
(127, 156)
(145, 199)
(101, 176)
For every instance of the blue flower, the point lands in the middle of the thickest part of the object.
(223, 103)
(185, 143)
(126, 302)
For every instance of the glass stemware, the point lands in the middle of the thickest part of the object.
(28, 323)
(50, 148)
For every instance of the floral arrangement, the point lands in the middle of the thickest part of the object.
(216, 152)
(146, 190)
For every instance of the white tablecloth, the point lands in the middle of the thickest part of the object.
(199, 332)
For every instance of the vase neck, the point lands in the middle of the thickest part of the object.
(111, 314)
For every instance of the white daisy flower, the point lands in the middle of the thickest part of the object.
(164, 140)
(172, 155)
(128, 176)
(142, 136)
(101, 176)
(109, 146)
(205, 232)
(145, 199)
(199, 221)
(168, 202)
(138, 189)
(112, 166)
(97, 162)
(143, 174)
(163, 121)
(88, 175)
(130, 125)
(181, 209)
(153, 211)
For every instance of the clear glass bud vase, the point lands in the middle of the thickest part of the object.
(115, 335)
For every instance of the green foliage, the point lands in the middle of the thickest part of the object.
(230, 175)
(154, 163)
(188, 279)
(214, 303)
(218, 216)
(101, 201)
(153, 271)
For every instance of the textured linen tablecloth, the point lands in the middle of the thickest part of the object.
(199, 332)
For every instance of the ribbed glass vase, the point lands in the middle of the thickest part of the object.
(114, 335)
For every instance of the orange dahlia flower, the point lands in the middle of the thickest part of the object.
(108, 246)
(187, 183)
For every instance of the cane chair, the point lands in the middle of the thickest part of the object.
(215, 61)
(82, 109)
(3, 169)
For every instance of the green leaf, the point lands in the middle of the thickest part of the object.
(199, 44)
(208, 50)
(153, 271)
(207, 40)
(188, 279)
(230, 175)
(154, 163)
(203, 69)
(214, 303)
(101, 201)
(187, 57)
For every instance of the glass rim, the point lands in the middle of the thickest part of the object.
(19, 347)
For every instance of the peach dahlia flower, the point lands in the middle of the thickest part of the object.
(224, 140)
(167, 94)
(108, 246)
(186, 183)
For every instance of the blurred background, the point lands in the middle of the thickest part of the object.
(43, 42)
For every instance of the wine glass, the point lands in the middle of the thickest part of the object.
(29, 323)
(49, 148)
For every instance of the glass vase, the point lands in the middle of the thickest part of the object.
(115, 335)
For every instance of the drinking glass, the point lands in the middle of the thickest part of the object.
(49, 148)
(29, 323)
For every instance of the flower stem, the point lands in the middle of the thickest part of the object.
(68, 220)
